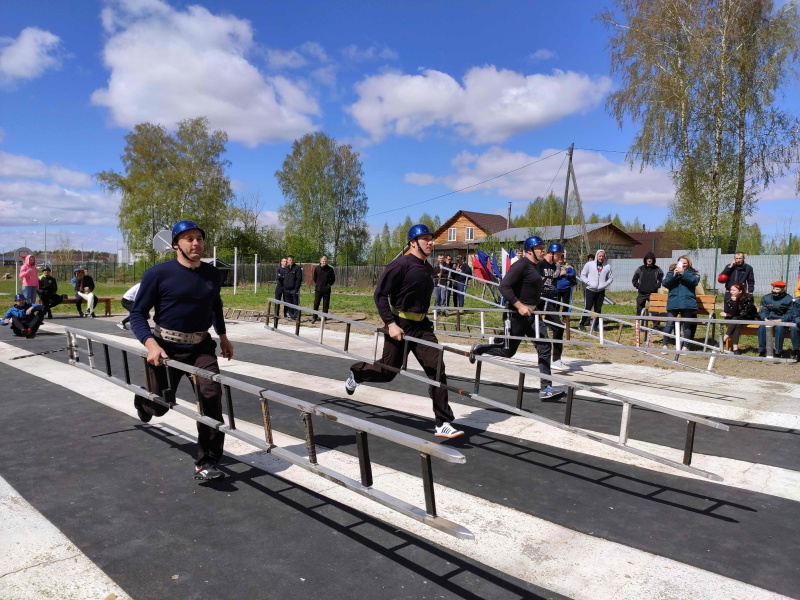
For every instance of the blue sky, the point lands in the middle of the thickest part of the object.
(435, 95)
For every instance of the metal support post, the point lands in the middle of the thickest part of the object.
(477, 385)
(322, 329)
(90, 352)
(310, 446)
(483, 323)
(626, 419)
(405, 355)
(108, 359)
(297, 323)
(226, 389)
(375, 348)
(125, 367)
(267, 420)
(568, 412)
(770, 340)
(427, 484)
(688, 447)
(363, 458)
(520, 389)
(346, 337)
(601, 330)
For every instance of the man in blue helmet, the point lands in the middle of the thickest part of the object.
(522, 289)
(185, 293)
(403, 296)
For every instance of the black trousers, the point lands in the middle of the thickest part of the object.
(326, 301)
(203, 356)
(564, 296)
(31, 321)
(688, 329)
(641, 302)
(556, 327)
(293, 298)
(280, 294)
(594, 302)
(49, 300)
(428, 357)
(524, 326)
(127, 305)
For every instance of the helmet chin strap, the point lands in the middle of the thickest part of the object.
(179, 249)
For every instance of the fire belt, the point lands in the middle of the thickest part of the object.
(404, 314)
(179, 337)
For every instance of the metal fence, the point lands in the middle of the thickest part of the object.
(766, 269)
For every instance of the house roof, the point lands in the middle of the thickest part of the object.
(488, 222)
(553, 232)
(662, 243)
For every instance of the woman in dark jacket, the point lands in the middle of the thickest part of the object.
(682, 299)
(739, 306)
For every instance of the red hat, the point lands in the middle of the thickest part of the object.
(778, 284)
(722, 278)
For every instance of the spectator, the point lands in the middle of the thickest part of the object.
(739, 307)
(552, 273)
(48, 292)
(681, 300)
(565, 284)
(589, 257)
(24, 317)
(597, 276)
(793, 316)
(647, 279)
(84, 290)
(461, 281)
(739, 272)
(280, 274)
(323, 277)
(128, 298)
(30, 278)
(440, 280)
(774, 308)
(448, 262)
(292, 281)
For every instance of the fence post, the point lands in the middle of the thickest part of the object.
(235, 268)
(788, 258)
(255, 275)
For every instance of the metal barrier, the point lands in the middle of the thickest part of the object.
(625, 401)
(362, 428)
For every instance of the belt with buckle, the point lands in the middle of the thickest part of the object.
(404, 314)
(179, 337)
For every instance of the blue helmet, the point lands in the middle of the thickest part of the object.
(555, 247)
(418, 230)
(182, 226)
(532, 242)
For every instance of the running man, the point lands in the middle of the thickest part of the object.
(185, 295)
(403, 297)
(522, 289)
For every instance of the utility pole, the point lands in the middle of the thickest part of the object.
(566, 193)
(508, 218)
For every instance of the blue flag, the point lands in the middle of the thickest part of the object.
(495, 268)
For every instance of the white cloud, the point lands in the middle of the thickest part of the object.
(541, 54)
(285, 59)
(17, 166)
(599, 179)
(20, 201)
(28, 55)
(490, 105)
(167, 65)
(378, 52)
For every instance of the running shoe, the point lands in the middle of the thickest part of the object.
(121, 325)
(446, 430)
(549, 393)
(558, 366)
(207, 472)
(350, 385)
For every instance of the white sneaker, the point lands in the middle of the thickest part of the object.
(549, 393)
(446, 430)
(558, 366)
(350, 385)
(121, 325)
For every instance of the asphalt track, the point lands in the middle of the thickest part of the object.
(122, 492)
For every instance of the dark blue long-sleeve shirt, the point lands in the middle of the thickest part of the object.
(184, 299)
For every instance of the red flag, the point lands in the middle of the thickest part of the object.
(479, 271)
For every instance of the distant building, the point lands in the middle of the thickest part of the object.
(662, 243)
(607, 236)
(466, 228)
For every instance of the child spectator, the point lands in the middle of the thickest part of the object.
(24, 317)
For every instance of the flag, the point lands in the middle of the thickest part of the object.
(481, 269)
(495, 268)
(513, 255)
(506, 262)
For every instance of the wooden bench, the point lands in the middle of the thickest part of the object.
(706, 305)
(106, 301)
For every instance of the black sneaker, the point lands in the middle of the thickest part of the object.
(144, 416)
(477, 349)
(207, 472)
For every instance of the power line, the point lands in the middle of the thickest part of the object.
(469, 186)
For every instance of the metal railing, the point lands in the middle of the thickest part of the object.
(362, 428)
(625, 401)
